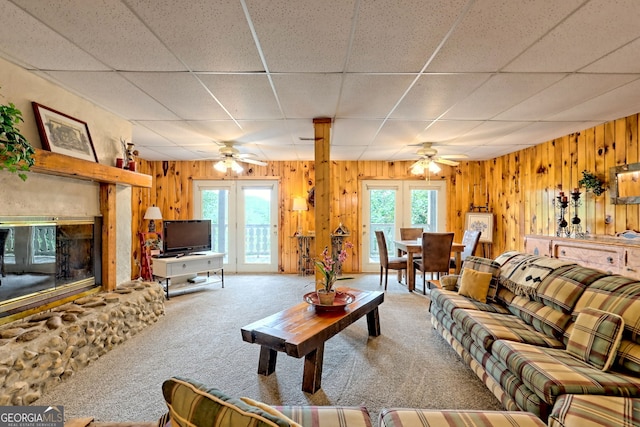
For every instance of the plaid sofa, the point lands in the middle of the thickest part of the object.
(549, 330)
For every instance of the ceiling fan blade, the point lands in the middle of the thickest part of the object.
(446, 162)
(253, 162)
(454, 156)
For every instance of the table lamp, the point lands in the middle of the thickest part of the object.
(152, 213)
(299, 205)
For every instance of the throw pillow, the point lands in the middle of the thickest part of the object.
(192, 404)
(270, 410)
(595, 337)
(475, 284)
(484, 265)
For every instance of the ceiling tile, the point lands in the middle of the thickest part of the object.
(444, 131)
(371, 96)
(499, 93)
(177, 132)
(34, 45)
(305, 35)
(206, 35)
(308, 95)
(573, 89)
(111, 91)
(182, 93)
(623, 60)
(399, 133)
(494, 32)
(245, 96)
(394, 36)
(354, 131)
(593, 31)
(434, 94)
(108, 29)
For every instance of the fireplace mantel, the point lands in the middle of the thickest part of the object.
(50, 163)
(58, 164)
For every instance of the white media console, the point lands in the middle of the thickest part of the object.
(202, 262)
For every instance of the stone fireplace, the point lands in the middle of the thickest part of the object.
(45, 259)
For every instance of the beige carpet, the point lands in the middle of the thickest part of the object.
(409, 365)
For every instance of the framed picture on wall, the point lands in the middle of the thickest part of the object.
(64, 134)
(483, 222)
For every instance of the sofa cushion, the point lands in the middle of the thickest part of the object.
(474, 284)
(615, 294)
(393, 417)
(485, 328)
(541, 317)
(192, 404)
(629, 357)
(449, 301)
(572, 410)
(322, 416)
(484, 265)
(562, 288)
(551, 372)
(595, 337)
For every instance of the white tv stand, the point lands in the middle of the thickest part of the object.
(201, 262)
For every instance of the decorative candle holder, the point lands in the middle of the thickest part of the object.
(562, 204)
(576, 228)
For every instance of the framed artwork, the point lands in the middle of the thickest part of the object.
(483, 222)
(63, 134)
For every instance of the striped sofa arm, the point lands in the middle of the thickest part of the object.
(327, 416)
(453, 418)
(579, 410)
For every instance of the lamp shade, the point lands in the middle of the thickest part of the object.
(299, 204)
(153, 212)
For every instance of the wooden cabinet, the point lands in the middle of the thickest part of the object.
(537, 245)
(609, 254)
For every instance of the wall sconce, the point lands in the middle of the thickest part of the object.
(299, 205)
(224, 165)
(152, 213)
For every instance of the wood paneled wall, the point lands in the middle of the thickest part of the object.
(518, 188)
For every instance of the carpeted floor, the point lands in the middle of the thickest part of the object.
(409, 365)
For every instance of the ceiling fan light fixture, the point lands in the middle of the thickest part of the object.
(417, 169)
(433, 167)
(226, 164)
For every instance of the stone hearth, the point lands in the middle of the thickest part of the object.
(40, 351)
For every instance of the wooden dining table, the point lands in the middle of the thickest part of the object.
(412, 247)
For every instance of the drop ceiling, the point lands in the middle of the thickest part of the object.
(478, 78)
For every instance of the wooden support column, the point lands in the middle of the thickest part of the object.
(322, 127)
(108, 210)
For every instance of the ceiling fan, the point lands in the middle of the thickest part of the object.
(229, 156)
(428, 159)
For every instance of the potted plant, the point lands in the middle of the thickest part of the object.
(329, 266)
(16, 154)
(592, 182)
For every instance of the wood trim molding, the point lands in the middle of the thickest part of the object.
(60, 165)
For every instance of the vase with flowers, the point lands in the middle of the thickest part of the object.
(330, 266)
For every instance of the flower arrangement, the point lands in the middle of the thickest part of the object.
(329, 266)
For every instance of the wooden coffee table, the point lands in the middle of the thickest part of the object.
(300, 331)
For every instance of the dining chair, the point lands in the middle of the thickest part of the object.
(386, 262)
(470, 240)
(436, 253)
(411, 233)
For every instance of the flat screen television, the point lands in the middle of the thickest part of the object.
(186, 236)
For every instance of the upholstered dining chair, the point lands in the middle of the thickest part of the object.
(411, 233)
(386, 262)
(470, 240)
(436, 253)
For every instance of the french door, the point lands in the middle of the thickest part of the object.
(244, 218)
(389, 205)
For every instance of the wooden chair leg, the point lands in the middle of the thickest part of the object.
(381, 268)
(386, 278)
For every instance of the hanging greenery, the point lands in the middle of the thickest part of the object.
(592, 182)
(16, 154)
